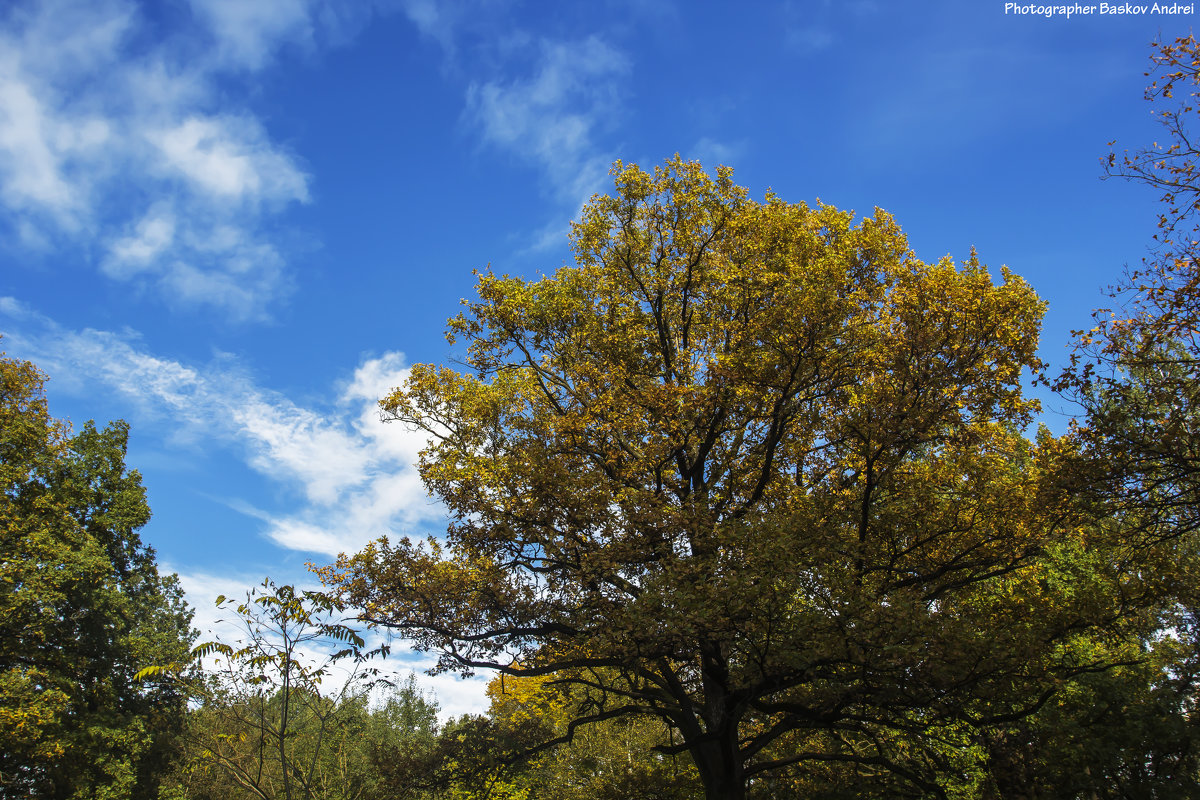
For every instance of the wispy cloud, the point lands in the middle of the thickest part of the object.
(810, 39)
(549, 102)
(107, 141)
(247, 34)
(711, 152)
(355, 474)
(812, 28)
(551, 115)
(436, 20)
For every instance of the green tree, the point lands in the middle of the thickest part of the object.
(1125, 732)
(283, 713)
(754, 470)
(1134, 731)
(341, 746)
(82, 610)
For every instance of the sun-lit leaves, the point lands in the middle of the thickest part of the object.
(747, 467)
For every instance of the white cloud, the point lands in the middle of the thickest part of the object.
(433, 19)
(90, 115)
(203, 589)
(455, 695)
(117, 138)
(139, 251)
(248, 33)
(44, 151)
(33, 167)
(548, 102)
(552, 116)
(229, 158)
(235, 278)
(356, 475)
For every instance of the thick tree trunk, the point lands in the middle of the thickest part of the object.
(720, 766)
(716, 753)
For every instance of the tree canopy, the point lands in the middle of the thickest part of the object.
(82, 609)
(752, 469)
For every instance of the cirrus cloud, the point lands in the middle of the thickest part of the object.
(356, 476)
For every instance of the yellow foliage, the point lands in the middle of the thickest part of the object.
(739, 461)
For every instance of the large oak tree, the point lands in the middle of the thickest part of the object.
(752, 469)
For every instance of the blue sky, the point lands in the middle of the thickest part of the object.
(235, 224)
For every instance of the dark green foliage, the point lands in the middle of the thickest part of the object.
(82, 610)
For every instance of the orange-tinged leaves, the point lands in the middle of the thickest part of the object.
(739, 449)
